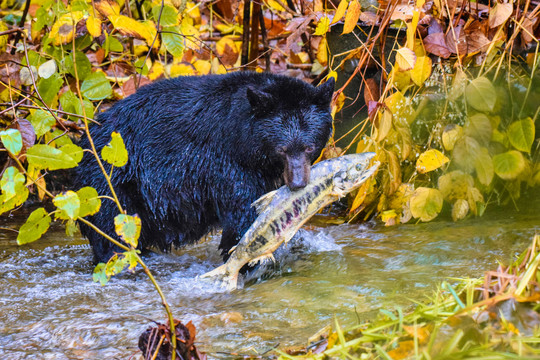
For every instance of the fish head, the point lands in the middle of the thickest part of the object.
(353, 171)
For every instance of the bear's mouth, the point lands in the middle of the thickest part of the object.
(296, 170)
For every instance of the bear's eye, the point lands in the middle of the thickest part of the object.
(281, 150)
(310, 149)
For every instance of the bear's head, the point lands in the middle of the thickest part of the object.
(294, 123)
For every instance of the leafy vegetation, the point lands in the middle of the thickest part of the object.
(494, 317)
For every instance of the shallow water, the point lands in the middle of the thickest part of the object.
(51, 309)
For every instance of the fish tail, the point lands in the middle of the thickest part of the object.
(223, 277)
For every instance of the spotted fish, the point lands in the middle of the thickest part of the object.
(282, 212)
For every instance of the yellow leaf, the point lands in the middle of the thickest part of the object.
(193, 11)
(450, 135)
(352, 16)
(400, 79)
(217, 67)
(190, 32)
(273, 4)
(426, 203)
(340, 11)
(361, 194)
(322, 52)
(389, 217)
(221, 45)
(405, 58)
(460, 209)
(202, 67)
(130, 27)
(430, 160)
(63, 29)
(156, 71)
(455, 185)
(93, 25)
(384, 126)
(422, 333)
(107, 7)
(421, 70)
(338, 103)
(404, 349)
(394, 168)
(322, 26)
(41, 187)
(181, 69)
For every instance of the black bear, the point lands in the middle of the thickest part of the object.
(201, 150)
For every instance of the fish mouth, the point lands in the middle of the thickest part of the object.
(368, 172)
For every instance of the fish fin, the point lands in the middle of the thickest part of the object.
(262, 259)
(222, 277)
(262, 203)
(232, 249)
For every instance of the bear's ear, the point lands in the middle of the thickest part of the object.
(259, 100)
(325, 91)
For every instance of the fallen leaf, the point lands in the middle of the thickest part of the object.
(405, 58)
(436, 45)
(500, 13)
(351, 17)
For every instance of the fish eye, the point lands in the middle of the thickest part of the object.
(359, 167)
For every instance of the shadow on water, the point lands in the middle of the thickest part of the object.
(51, 309)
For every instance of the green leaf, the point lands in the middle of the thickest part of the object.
(169, 15)
(128, 228)
(42, 18)
(90, 202)
(69, 203)
(521, 134)
(42, 121)
(484, 167)
(115, 152)
(174, 43)
(509, 165)
(14, 191)
(71, 228)
(141, 67)
(112, 44)
(96, 86)
(100, 275)
(47, 157)
(12, 185)
(76, 152)
(49, 88)
(88, 109)
(465, 151)
(481, 94)
(426, 203)
(12, 140)
(60, 138)
(84, 67)
(37, 224)
(131, 258)
(478, 126)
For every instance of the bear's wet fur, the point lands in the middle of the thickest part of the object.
(201, 150)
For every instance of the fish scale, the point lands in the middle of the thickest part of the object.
(282, 212)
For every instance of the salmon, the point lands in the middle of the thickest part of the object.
(283, 212)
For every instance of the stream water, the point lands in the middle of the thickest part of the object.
(51, 309)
